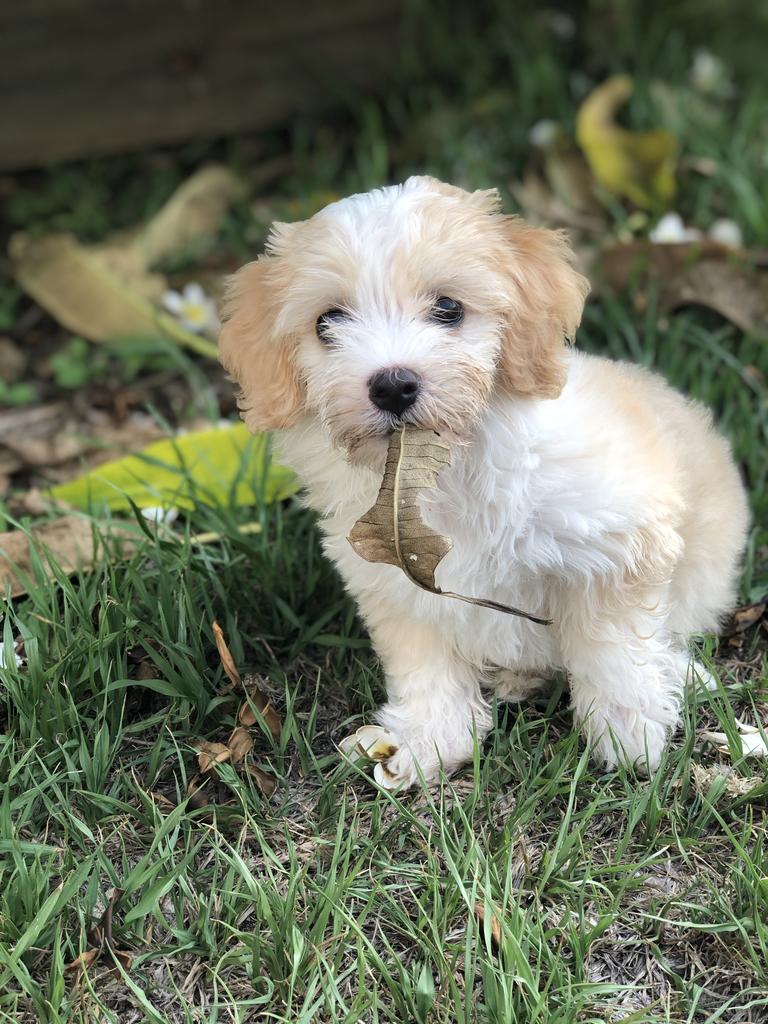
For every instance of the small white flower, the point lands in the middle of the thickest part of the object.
(727, 232)
(193, 308)
(671, 230)
(543, 133)
(709, 75)
(158, 514)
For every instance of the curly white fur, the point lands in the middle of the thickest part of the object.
(582, 490)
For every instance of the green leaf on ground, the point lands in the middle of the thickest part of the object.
(216, 467)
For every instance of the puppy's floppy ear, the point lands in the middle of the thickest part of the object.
(259, 360)
(546, 300)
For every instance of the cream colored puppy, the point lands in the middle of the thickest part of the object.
(582, 490)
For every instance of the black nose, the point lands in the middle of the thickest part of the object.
(394, 390)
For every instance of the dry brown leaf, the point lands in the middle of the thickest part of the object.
(256, 698)
(101, 940)
(541, 204)
(240, 744)
(197, 792)
(72, 545)
(393, 531)
(495, 923)
(161, 800)
(227, 661)
(744, 617)
(260, 701)
(83, 961)
(267, 784)
(693, 273)
(211, 754)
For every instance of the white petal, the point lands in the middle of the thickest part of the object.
(727, 232)
(158, 514)
(372, 741)
(671, 230)
(385, 778)
(753, 745)
(193, 293)
(173, 302)
(543, 133)
(708, 73)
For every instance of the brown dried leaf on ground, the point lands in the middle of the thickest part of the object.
(101, 941)
(393, 532)
(261, 702)
(692, 274)
(495, 923)
(744, 617)
(227, 661)
(240, 744)
(71, 543)
(53, 439)
(267, 784)
(256, 697)
(210, 754)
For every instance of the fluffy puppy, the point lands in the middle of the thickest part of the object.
(582, 490)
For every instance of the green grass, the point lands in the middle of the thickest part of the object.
(617, 898)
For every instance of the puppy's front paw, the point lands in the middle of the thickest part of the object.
(380, 745)
(395, 766)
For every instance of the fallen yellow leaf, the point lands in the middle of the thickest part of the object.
(639, 166)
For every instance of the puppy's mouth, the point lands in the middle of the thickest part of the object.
(366, 445)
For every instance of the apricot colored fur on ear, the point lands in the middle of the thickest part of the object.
(550, 299)
(271, 395)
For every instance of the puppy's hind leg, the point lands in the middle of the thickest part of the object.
(434, 708)
(625, 679)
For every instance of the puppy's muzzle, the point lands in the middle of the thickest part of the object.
(394, 390)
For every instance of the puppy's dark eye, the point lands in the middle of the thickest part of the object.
(447, 311)
(326, 321)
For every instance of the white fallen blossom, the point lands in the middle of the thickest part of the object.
(752, 742)
(194, 310)
(158, 514)
(726, 232)
(671, 230)
(543, 133)
(709, 74)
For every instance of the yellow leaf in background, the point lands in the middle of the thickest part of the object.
(639, 166)
(194, 212)
(107, 292)
(218, 467)
(82, 288)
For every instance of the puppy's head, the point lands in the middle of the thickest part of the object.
(409, 304)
